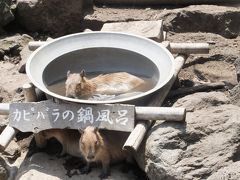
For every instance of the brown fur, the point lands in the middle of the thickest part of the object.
(77, 85)
(68, 138)
(102, 146)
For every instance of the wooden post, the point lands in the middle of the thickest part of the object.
(135, 138)
(9, 132)
(160, 113)
(189, 48)
(6, 136)
(29, 92)
(33, 45)
(4, 108)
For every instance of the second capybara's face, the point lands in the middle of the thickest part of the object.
(89, 143)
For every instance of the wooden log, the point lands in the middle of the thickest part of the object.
(175, 48)
(160, 113)
(6, 136)
(4, 108)
(189, 48)
(29, 92)
(33, 45)
(135, 138)
(9, 132)
(198, 88)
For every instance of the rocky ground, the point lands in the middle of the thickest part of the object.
(207, 146)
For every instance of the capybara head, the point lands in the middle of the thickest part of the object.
(74, 84)
(90, 143)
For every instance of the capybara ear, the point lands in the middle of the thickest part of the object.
(81, 131)
(82, 73)
(68, 73)
(95, 129)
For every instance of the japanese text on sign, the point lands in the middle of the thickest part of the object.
(72, 115)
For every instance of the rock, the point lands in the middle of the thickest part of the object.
(229, 172)
(5, 95)
(235, 95)
(204, 18)
(6, 15)
(11, 46)
(12, 152)
(43, 166)
(11, 80)
(207, 143)
(3, 170)
(237, 66)
(221, 20)
(25, 53)
(202, 100)
(213, 68)
(7, 172)
(56, 17)
(148, 29)
(3, 122)
(220, 71)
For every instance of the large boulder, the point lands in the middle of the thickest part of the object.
(222, 20)
(205, 146)
(6, 14)
(55, 16)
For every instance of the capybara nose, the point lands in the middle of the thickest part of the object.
(90, 157)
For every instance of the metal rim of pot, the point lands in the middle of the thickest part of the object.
(122, 100)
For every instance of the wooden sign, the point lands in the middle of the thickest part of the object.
(38, 116)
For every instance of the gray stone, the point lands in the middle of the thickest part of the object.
(213, 68)
(202, 100)
(235, 95)
(25, 53)
(6, 15)
(237, 66)
(148, 29)
(231, 172)
(14, 44)
(3, 172)
(56, 17)
(208, 142)
(204, 18)
(216, 71)
(12, 152)
(3, 122)
(222, 20)
(7, 172)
